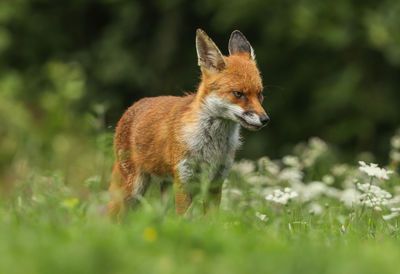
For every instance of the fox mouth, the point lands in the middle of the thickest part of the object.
(247, 125)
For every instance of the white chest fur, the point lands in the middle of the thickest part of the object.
(213, 140)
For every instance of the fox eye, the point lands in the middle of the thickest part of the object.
(260, 96)
(238, 94)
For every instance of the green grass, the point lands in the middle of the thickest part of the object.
(197, 246)
(53, 219)
(45, 229)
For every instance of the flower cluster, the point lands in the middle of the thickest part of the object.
(391, 216)
(245, 167)
(374, 171)
(282, 197)
(395, 151)
(291, 175)
(305, 177)
(292, 161)
(395, 142)
(261, 216)
(373, 196)
(315, 148)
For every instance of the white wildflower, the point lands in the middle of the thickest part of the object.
(261, 216)
(317, 144)
(266, 164)
(350, 197)
(395, 209)
(282, 197)
(395, 155)
(339, 170)
(349, 182)
(259, 180)
(390, 216)
(245, 166)
(395, 142)
(273, 168)
(292, 161)
(373, 196)
(316, 148)
(313, 190)
(229, 196)
(292, 175)
(308, 192)
(315, 208)
(328, 179)
(374, 171)
(394, 203)
(332, 192)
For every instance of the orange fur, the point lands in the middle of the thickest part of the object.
(149, 136)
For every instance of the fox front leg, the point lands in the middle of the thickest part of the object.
(213, 199)
(183, 197)
(184, 176)
(214, 191)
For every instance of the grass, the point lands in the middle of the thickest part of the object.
(55, 221)
(152, 243)
(44, 230)
(188, 247)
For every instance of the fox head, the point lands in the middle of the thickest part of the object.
(231, 86)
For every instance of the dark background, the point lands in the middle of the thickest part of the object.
(68, 69)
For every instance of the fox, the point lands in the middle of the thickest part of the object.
(178, 136)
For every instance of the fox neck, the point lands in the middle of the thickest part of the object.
(212, 136)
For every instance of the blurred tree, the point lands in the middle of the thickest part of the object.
(330, 68)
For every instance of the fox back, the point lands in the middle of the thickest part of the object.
(176, 136)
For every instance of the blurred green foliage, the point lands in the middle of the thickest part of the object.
(68, 70)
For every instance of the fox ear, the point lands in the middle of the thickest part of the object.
(239, 44)
(208, 54)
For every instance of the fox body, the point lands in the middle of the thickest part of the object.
(175, 136)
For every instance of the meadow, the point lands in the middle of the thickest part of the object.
(302, 204)
(304, 213)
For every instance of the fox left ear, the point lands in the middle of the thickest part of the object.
(208, 54)
(239, 44)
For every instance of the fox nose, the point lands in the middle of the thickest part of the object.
(264, 119)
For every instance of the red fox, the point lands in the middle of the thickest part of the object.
(169, 135)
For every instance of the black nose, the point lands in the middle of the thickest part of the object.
(264, 119)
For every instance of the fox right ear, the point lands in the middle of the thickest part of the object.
(239, 44)
(208, 54)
